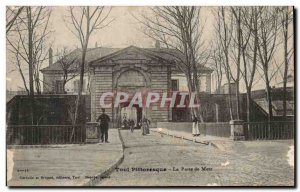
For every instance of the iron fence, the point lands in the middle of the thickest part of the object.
(44, 134)
(269, 130)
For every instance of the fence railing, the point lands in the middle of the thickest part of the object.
(269, 130)
(44, 134)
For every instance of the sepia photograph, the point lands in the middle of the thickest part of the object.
(150, 96)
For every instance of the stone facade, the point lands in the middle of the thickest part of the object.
(127, 70)
(130, 71)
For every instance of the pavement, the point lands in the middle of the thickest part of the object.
(158, 159)
(162, 160)
(63, 165)
(222, 143)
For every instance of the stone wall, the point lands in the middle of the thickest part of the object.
(101, 82)
(159, 83)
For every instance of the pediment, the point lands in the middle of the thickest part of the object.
(128, 54)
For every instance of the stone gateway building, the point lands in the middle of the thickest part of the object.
(129, 70)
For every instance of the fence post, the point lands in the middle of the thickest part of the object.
(237, 130)
(92, 135)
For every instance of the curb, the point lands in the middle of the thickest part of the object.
(107, 172)
(181, 137)
(192, 140)
(217, 146)
(41, 146)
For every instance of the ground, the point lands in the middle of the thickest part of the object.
(254, 163)
(27, 165)
(154, 160)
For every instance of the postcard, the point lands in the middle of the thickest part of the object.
(162, 96)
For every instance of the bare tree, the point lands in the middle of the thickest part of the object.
(224, 33)
(68, 64)
(179, 29)
(267, 42)
(12, 13)
(83, 22)
(217, 64)
(286, 16)
(19, 67)
(249, 50)
(28, 41)
(237, 46)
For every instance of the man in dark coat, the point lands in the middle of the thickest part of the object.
(104, 119)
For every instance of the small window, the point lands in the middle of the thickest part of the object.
(175, 84)
(59, 87)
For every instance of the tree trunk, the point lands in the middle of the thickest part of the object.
(284, 97)
(78, 100)
(270, 114)
(237, 82)
(30, 65)
(230, 101)
(248, 111)
(64, 85)
(248, 105)
(189, 83)
(197, 96)
(237, 94)
(285, 35)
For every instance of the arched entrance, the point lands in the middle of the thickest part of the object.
(134, 113)
(130, 81)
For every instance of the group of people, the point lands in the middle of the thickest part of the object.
(143, 124)
(128, 123)
(103, 122)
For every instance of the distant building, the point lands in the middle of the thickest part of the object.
(289, 83)
(130, 69)
(228, 86)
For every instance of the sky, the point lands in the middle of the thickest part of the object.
(122, 32)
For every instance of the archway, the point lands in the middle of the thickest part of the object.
(130, 81)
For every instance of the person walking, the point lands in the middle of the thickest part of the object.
(104, 120)
(195, 129)
(145, 125)
(125, 121)
(131, 124)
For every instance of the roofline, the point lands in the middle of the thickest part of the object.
(92, 63)
(199, 71)
(61, 71)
